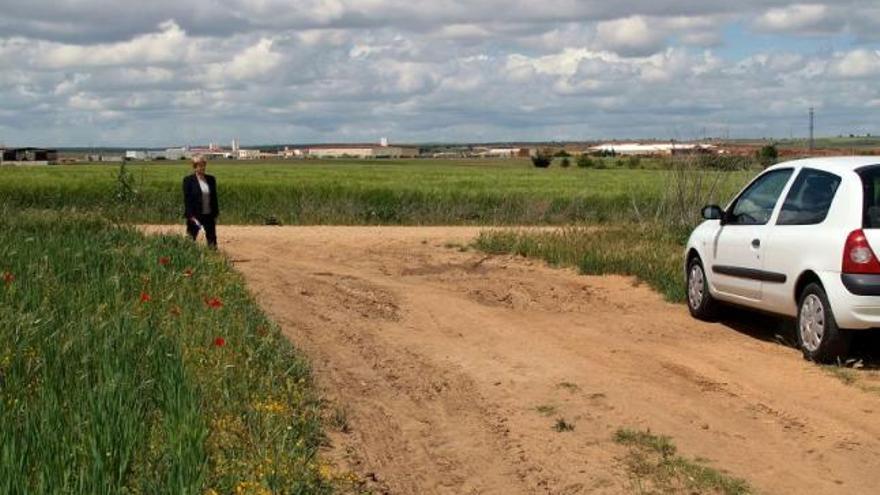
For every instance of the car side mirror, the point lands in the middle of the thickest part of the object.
(713, 212)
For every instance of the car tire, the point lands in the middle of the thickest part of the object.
(700, 302)
(819, 337)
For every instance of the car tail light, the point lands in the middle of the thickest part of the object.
(858, 257)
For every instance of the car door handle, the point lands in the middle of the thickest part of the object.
(756, 243)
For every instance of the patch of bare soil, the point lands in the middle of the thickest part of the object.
(454, 367)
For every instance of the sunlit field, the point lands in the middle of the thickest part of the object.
(347, 192)
(138, 364)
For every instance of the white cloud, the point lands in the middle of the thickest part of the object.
(630, 36)
(795, 17)
(81, 101)
(255, 61)
(451, 69)
(170, 44)
(857, 63)
(565, 63)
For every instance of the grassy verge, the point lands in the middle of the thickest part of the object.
(142, 365)
(656, 468)
(653, 255)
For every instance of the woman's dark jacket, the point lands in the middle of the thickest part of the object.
(192, 196)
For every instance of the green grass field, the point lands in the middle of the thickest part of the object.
(409, 192)
(135, 364)
(140, 364)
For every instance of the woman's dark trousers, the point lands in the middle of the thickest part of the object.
(209, 224)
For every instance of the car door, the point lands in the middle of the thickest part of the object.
(801, 239)
(737, 262)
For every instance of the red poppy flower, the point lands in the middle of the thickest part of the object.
(188, 273)
(145, 297)
(8, 278)
(164, 260)
(214, 302)
(219, 342)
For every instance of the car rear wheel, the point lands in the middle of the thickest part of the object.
(700, 302)
(818, 335)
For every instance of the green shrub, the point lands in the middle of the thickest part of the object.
(768, 155)
(542, 159)
(584, 161)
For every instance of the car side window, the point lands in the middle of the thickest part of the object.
(871, 187)
(755, 205)
(809, 199)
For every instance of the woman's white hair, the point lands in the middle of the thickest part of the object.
(198, 159)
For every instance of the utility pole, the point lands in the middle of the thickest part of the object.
(812, 127)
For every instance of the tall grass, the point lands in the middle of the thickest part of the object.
(142, 365)
(349, 193)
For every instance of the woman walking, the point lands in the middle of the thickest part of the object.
(200, 202)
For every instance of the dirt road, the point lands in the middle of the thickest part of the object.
(442, 359)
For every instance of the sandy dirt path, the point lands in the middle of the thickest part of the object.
(442, 357)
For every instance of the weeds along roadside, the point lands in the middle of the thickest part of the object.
(648, 247)
(135, 364)
(648, 253)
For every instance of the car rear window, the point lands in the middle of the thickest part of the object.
(809, 199)
(871, 186)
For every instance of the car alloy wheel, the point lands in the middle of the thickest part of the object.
(696, 286)
(812, 322)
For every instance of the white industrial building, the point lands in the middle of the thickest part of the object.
(241, 154)
(135, 155)
(501, 152)
(638, 149)
(168, 154)
(289, 152)
(362, 151)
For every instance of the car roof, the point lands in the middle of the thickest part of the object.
(832, 163)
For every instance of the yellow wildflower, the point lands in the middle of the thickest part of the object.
(271, 407)
(325, 471)
(251, 488)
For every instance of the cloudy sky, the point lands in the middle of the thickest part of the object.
(163, 72)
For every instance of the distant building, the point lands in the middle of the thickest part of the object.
(28, 156)
(362, 151)
(241, 154)
(448, 154)
(289, 152)
(177, 153)
(136, 155)
(501, 152)
(212, 152)
(169, 154)
(105, 157)
(654, 149)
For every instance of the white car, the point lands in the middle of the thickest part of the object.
(797, 241)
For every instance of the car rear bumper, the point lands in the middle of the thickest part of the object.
(861, 285)
(855, 299)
